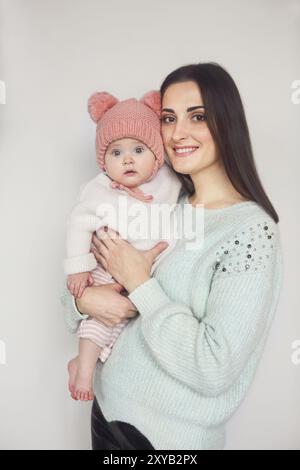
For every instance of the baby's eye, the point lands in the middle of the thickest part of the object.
(199, 117)
(167, 119)
(139, 149)
(116, 153)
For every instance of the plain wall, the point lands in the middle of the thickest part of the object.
(53, 55)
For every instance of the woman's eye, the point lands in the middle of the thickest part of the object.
(199, 117)
(139, 149)
(167, 119)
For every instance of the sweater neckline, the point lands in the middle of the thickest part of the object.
(222, 209)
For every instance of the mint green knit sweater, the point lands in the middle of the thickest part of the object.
(181, 368)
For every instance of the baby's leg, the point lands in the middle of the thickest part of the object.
(93, 337)
(81, 370)
(116, 331)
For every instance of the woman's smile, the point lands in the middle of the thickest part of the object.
(184, 151)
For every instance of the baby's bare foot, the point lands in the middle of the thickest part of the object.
(72, 368)
(81, 381)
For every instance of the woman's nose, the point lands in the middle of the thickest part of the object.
(180, 131)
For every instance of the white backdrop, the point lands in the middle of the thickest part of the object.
(53, 55)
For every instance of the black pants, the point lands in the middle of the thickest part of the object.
(115, 435)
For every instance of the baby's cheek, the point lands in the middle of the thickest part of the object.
(147, 172)
(149, 166)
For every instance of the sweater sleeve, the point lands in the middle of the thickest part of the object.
(81, 224)
(72, 315)
(209, 354)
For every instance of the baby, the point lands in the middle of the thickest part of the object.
(130, 154)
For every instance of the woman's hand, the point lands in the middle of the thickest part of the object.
(129, 266)
(106, 304)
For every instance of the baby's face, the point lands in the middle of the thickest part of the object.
(129, 162)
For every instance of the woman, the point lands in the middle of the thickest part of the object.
(182, 367)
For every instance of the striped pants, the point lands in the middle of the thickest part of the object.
(102, 335)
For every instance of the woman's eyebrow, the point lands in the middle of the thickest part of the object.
(192, 108)
(168, 110)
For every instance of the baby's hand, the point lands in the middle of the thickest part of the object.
(78, 282)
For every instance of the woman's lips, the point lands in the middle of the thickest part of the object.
(184, 151)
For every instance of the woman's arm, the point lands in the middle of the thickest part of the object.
(104, 303)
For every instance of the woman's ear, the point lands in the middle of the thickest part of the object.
(99, 103)
(152, 99)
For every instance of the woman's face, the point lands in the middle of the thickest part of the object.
(186, 136)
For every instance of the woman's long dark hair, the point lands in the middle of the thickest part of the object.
(227, 123)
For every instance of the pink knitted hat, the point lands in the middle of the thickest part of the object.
(127, 119)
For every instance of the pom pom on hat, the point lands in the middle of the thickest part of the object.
(152, 99)
(99, 103)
